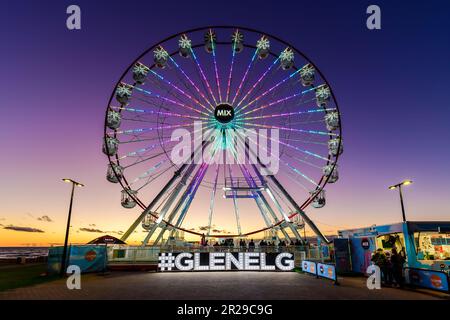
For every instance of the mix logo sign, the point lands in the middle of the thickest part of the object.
(225, 261)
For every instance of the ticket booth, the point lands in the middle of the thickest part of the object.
(425, 244)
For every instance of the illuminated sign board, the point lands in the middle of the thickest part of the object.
(225, 261)
(326, 271)
(436, 280)
(309, 267)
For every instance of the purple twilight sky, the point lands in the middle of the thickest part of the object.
(391, 84)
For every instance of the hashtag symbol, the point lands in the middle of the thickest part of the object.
(166, 261)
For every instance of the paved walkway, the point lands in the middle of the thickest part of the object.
(212, 285)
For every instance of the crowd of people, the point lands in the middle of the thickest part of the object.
(391, 266)
(252, 244)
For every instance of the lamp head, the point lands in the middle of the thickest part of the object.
(406, 182)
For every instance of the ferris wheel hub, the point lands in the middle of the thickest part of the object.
(224, 112)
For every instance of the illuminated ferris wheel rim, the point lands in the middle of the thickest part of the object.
(323, 180)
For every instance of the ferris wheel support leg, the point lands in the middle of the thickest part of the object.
(169, 203)
(172, 216)
(299, 210)
(285, 234)
(261, 205)
(280, 208)
(292, 201)
(163, 191)
(236, 213)
(177, 207)
(152, 204)
(192, 189)
(294, 230)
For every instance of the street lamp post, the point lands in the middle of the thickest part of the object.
(399, 187)
(64, 255)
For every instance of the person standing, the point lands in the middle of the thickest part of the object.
(397, 261)
(379, 259)
(251, 246)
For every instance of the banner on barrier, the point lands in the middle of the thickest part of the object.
(326, 271)
(430, 279)
(309, 267)
(89, 258)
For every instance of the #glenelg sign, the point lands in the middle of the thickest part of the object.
(225, 261)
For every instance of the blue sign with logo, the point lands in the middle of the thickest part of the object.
(90, 258)
(326, 271)
(309, 267)
(428, 279)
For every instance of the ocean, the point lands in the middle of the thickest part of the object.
(28, 252)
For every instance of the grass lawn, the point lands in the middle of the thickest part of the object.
(15, 276)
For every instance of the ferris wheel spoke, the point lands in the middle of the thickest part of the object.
(149, 171)
(290, 146)
(300, 173)
(305, 141)
(141, 159)
(230, 74)
(154, 177)
(314, 132)
(140, 130)
(197, 62)
(278, 84)
(168, 92)
(297, 182)
(291, 167)
(146, 92)
(141, 140)
(200, 92)
(257, 82)
(304, 161)
(149, 112)
(190, 97)
(216, 71)
(285, 114)
(244, 77)
(190, 88)
(138, 151)
(278, 101)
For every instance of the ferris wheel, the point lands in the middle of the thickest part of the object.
(208, 91)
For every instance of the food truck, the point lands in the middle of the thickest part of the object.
(425, 245)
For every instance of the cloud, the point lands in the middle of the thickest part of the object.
(213, 230)
(91, 230)
(92, 225)
(115, 232)
(94, 230)
(45, 218)
(23, 229)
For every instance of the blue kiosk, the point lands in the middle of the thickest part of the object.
(425, 244)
